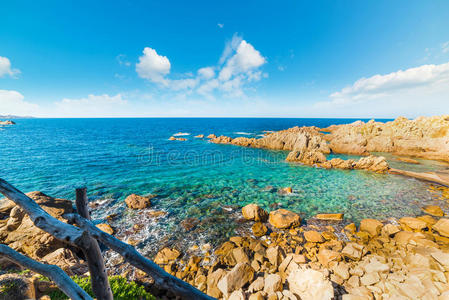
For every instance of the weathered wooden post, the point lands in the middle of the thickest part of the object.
(98, 274)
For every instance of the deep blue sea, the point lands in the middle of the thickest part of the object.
(194, 179)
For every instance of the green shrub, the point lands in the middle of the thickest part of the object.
(121, 289)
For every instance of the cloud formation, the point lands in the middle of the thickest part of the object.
(12, 103)
(423, 89)
(238, 65)
(91, 106)
(5, 68)
(153, 66)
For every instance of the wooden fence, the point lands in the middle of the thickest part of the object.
(86, 237)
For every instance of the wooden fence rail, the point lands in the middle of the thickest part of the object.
(82, 237)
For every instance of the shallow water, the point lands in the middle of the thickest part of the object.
(193, 179)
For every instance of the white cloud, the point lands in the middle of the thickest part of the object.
(153, 67)
(206, 73)
(220, 25)
(414, 91)
(230, 47)
(238, 65)
(5, 68)
(12, 103)
(183, 84)
(245, 59)
(90, 106)
(445, 47)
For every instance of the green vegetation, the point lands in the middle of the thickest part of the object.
(7, 287)
(121, 288)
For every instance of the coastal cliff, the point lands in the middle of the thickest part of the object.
(425, 137)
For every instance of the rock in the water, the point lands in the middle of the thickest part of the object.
(138, 202)
(283, 218)
(285, 191)
(199, 136)
(433, 210)
(333, 217)
(373, 163)
(7, 122)
(235, 279)
(306, 157)
(254, 212)
(309, 284)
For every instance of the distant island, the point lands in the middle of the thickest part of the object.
(15, 117)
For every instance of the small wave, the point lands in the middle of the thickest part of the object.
(243, 133)
(181, 134)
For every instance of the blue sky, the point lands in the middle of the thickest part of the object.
(257, 58)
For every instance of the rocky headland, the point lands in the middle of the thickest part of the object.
(7, 122)
(423, 137)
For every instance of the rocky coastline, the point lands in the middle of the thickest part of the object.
(423, 137)
(282, 257)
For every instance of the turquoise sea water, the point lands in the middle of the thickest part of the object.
(193, 179)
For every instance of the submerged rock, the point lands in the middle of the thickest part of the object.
(327, 217)
(433, 210)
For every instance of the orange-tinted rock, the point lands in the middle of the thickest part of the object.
(259, 229)
(433, 210)
(412, 223)
(442, 227)
(333, 217)
(372, 226)
(283, 218)
(254, 212)
(106, 228)
(313, 236)
(138, 202)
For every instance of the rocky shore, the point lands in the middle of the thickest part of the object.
(282, 257)
(424, 137)
(325, 259)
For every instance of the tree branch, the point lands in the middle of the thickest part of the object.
(162, 279)
(98, 275)
(62, 280)
(60, 230)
